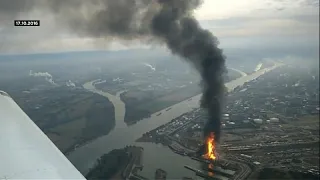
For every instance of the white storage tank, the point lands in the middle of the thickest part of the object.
(225, 115)
(274, 120)
(258, 121)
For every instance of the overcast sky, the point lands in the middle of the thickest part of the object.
(242, 23)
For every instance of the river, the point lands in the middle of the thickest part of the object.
(155, 156)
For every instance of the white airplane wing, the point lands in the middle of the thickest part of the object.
(25, 151)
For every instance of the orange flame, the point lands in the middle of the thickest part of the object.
(211, 148)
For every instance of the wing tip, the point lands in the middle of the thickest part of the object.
(2, 93)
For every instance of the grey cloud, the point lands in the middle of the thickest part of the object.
(300, 26)
(313, 3)
(13, 9)
(169, 21)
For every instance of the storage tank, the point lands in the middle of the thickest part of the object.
(274, 120)
(225, 115)
(258, 121)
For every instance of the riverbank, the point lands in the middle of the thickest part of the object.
(170, 134)
(140, 104)
(100, 121)
(118, 164)
(85, 156)
(137, 110)
(70, 117)
(165, 135)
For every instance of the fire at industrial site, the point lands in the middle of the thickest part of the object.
(210, 148)
(211, 153)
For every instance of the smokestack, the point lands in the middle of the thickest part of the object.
(167, 21)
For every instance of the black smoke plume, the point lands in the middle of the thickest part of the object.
(168, 21)
(184, 36)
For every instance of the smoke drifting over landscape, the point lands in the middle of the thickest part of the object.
(180, 30)
(46, 75)
(165, 21)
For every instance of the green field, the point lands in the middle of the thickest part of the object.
(144, 108)
(140, 104)
(69, 117)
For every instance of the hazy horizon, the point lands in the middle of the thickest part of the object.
(252, 25)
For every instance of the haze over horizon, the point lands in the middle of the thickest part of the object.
(138, 89)
(253, 24)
